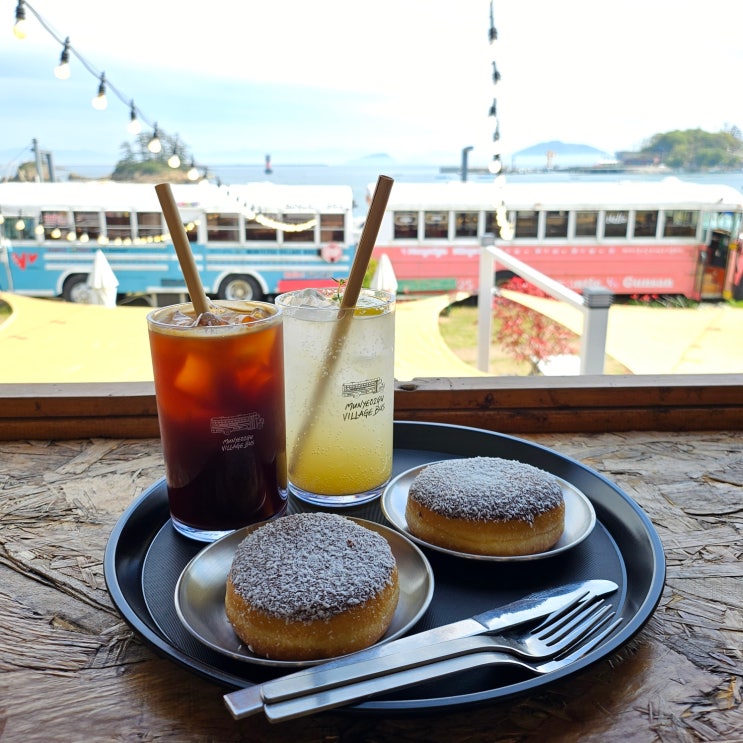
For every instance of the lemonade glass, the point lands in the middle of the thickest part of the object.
(339, 382)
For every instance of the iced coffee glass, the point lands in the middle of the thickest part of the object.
(219, 387)
(339, 381)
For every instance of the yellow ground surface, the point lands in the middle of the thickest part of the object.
(51, 341)
(707, 339)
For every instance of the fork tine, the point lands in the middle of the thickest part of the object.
(567, 617)
(566, 658)
(565, 611)
(567, 624)
(590, 624)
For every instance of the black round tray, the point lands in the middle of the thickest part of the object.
(145, 556)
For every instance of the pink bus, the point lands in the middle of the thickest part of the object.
(667, 237)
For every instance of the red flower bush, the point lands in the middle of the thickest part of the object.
(526, 334)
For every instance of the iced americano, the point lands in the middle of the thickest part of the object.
(219, 390)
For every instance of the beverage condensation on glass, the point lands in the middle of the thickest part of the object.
(220, 401)
(339, 381)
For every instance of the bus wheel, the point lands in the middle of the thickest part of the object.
(75, 289)
(241, 288)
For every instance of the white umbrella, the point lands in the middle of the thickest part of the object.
(384, 276)
(102, 282)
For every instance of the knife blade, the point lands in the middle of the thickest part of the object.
(380, 659)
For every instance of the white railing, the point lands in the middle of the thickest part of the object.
(594, 303)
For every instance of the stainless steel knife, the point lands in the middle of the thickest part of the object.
(295, 707)
(386, 658)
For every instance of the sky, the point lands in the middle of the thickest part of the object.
(333, 81)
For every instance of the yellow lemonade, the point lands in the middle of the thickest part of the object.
(339, 401)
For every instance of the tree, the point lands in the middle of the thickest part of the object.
(139, 163)
(528, 335)
(695, 149)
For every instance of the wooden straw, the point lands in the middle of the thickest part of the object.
(348, 303)
(182, 248)
(367, 241)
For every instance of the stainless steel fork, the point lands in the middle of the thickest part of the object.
(311, 703)
(558, 633)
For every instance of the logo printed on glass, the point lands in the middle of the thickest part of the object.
(368, 387)
(231, 423)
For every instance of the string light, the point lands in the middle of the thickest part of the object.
(174, 161)
(19, 29)
(505, 228)
(155, 146)
(62, 70)
(100, 102)
(134, 126)
(193, 172)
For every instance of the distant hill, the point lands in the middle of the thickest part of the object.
(563, 155)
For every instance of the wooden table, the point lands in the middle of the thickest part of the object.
(72, 670)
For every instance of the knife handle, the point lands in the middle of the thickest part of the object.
(248, 701)
(369, 669)
(290, 709)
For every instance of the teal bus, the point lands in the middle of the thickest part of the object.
(249, 241)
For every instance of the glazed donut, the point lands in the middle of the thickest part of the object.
(486, 506)
(311, 586)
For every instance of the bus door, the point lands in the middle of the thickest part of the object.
(715, 265)
(6, 280)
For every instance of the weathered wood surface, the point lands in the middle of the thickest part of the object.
(72, 670)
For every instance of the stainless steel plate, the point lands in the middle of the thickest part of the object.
(580, 518)
(200, 592)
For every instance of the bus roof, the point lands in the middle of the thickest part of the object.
(141, 197)
(669, 192)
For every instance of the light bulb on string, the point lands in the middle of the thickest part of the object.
(174, 161)
(20, 225)
(155, 145)
(100, 102)
(134, 126)
(19, 29)
(62, 70)
(193, 173)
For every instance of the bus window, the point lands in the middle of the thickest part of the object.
(56, 225)
(615, 223)
(646, 223)
(406, 225)
(556, 224)
(19, 228)
(87, 226)
(527, 223)
(261, 231)
(437, 224)
(222, 227)
(331, 228)
(465, 224)
(680, 223)
(586, 223)
(149, 225)
(118, 225)
(306, 234)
